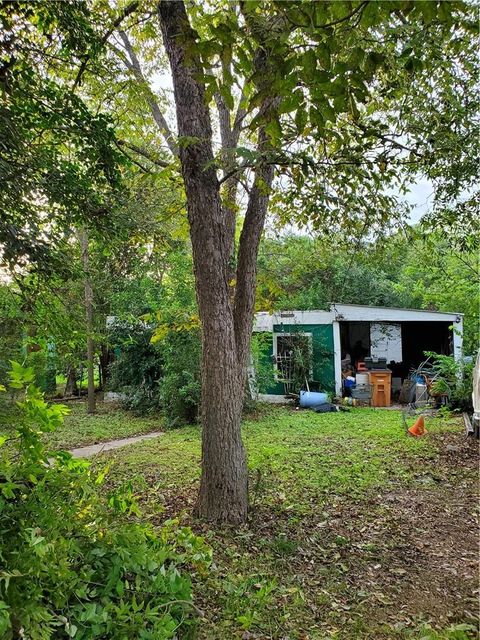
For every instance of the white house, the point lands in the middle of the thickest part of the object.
(399, 335)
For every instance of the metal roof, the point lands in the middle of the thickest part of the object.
(371, 306)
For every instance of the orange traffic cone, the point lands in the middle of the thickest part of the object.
(418, 428)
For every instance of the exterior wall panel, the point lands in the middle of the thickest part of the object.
(322, 354)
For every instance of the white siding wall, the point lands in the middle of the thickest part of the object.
(264, 321)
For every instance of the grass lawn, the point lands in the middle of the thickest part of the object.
(109, 423)
(356, 530)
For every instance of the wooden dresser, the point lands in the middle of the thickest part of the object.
(381, 382)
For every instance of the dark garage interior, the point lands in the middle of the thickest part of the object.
(417, 337)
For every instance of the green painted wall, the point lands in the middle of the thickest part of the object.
(322, 352)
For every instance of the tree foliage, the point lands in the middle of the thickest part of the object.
(58, 162)
(75, 563)
(411, 269)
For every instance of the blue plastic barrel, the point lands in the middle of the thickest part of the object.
(312, 398)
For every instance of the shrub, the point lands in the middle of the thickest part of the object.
(75, 563)
(156, 376)
(137, 368)
(260, 372)
(180, 387)
(454, 378)
(11, 329)
(41, 356)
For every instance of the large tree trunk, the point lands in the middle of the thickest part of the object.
(226, 319)
(89, 323)
(224, 483)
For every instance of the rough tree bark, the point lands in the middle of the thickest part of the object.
(224, 484)
(226, 323)
(91, 405)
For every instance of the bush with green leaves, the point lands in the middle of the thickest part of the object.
(180, 386)
(453, 377)
(159, 376)
(75, 561)
(137, 368)
(261, 375)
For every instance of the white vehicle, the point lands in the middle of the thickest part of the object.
(473, 424)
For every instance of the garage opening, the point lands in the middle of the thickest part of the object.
(355, 341)
(402, 344)
(418, 337)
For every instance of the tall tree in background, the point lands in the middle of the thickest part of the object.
(83, 238)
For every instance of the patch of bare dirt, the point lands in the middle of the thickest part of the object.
(423, 540)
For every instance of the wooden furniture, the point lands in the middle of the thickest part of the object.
(381, 382)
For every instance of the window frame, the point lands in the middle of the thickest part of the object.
(286, 334)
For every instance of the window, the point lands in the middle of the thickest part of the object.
(293, 357)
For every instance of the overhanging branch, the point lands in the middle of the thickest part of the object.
(129, 9)
(144, 153)
(155, 110)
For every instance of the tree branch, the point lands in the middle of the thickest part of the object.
(385, 138)
(129, 9)
(143, 152)
(224, 122)
(360, 7)
(229, 137)
(254, 222)
(244, 301)
(152, 102)
(239, 116)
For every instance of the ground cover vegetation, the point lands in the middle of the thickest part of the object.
(353, 533)
(152, 156)
(74, 561)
